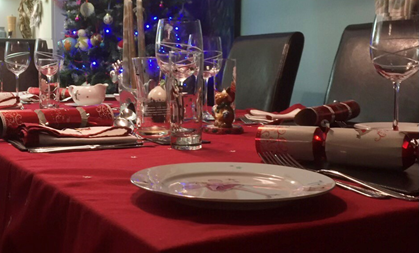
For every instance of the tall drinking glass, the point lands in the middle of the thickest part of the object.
(212, 51)
(153, 103)
(17, 58)
(49, 87)
(394, 50)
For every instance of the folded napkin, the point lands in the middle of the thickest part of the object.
(262, 116)
(9, 101)
(34, 135)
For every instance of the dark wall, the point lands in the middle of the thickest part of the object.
(27, 79)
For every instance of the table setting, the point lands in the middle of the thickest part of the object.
(163, 170)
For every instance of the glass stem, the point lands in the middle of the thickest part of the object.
(206, 95)
(17, 87)
(396, 88)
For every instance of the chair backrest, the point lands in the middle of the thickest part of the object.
(267, 66)
(354, 77)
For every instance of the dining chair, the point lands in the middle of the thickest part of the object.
(354, 77)
(266, 68)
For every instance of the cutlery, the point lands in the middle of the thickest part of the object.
(273, 116)
(166, 141)
(85, 147)
(271, 158)
(66, 99)
(290, 161)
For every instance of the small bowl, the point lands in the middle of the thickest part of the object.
(88, 95)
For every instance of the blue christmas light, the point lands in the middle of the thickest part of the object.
(94, 63)
(147, 26)
(74, 32)
(170, 18)
(176, 28)
(107, 30)
(136, 33)
(155, 18)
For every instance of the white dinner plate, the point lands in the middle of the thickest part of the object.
(76, 105)
(249, 183)
(407, 127)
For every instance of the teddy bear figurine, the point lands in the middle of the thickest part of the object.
(223, 111)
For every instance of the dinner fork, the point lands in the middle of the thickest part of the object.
(271, 158)
(288, 160)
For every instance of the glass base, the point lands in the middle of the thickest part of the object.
(207, 116)
(153, 132)
(186, 142)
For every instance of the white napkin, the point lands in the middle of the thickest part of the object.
(262, 116)
(9, 101)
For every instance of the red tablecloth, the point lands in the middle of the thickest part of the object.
(84, 202)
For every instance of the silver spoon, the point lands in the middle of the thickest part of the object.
(128, 114)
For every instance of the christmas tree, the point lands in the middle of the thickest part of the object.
(93, 36)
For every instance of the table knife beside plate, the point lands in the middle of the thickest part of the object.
(85, 147)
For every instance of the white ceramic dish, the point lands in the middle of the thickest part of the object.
(249, 183)
(76, 105)
(88, 95)
(407, 127)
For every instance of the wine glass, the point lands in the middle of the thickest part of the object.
(177, 35)
(47, 49)
(17, 58)
(394, 50)
(212, 55)
(179, 55)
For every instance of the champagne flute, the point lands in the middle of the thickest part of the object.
(212, 55)
(17, 58)
(394, 50)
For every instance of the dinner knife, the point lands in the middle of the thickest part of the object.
(85, 147)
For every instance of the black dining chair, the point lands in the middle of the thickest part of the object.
(354, 77)
(266, 68)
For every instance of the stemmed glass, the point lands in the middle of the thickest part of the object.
(17, 58)
(48, 59)
(47, 49)
(179, 55)
(394, 50)
(212, 55)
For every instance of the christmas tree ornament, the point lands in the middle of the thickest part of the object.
(161, 4)
(69, 44)
(77, 18)
(83, 43)
(81, 33)
(108, 19)
(87, 9)
(120, 45)
(96, 39)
